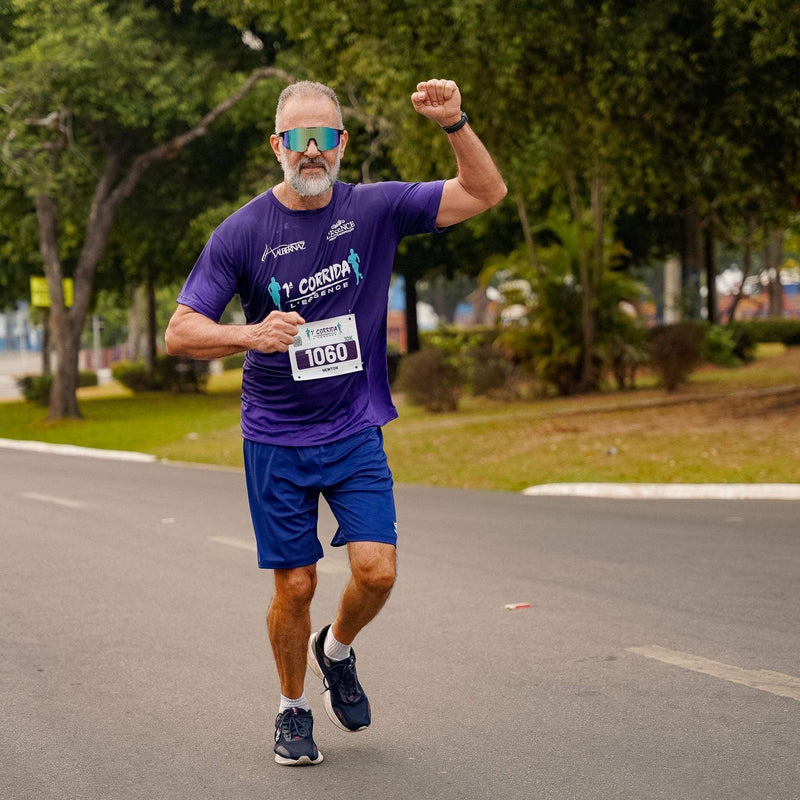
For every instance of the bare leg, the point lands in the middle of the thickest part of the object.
(289, 625)
(373, 567)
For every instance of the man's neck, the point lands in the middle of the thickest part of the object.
(288, 197)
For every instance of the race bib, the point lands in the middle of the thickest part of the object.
(326, 348)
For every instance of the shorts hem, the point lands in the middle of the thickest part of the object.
(291, 565)
(392, 540)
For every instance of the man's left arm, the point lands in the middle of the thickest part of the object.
(478, 185)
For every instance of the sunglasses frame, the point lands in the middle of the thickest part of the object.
(308, 137)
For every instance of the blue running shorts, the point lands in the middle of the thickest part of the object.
(284, 485)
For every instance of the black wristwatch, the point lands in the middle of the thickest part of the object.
(456, 126)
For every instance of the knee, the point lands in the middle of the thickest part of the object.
(377, 576)
(295, 587)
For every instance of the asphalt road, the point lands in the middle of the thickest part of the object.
(134, 663)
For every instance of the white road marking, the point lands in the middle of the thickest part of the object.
(325, 567)
(75, 450)
(59, 501)
(669, 491)
(766, 680)
(240, 543)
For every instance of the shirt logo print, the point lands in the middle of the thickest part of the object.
(282, 249)
(340, 228)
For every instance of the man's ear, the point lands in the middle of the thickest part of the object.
(275, 143)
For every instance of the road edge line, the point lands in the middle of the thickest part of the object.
(668, 491)
(75, 450)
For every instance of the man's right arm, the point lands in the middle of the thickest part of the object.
(478, 185)
(194, 335)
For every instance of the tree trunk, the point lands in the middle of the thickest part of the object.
(711, 275)
(747, 260)
(587, 317)
(134, 342)
(67, 324)
(527, 234)
(47, 363)
(747, 263)
(691, 262)
(150, 352)
(773, 256)
(412, 325)
(63, 394)
(63, 398)
(598, 228)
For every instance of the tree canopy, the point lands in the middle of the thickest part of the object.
(94, 94)
(653, 122)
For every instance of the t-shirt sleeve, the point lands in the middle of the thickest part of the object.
(415, 206)
(212, 282)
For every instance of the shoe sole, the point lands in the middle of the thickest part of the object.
(303, 761)
(311, 660)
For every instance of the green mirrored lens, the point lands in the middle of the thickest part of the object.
(297, 139)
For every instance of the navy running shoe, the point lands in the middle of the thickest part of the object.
(294, 744)
(345, 701)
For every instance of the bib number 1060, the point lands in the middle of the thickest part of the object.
(326, 348)
(330, 354)
(326, 354)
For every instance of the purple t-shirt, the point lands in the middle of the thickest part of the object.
(325, 263)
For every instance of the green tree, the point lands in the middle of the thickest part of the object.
(177, 204)
(373, 52)
(600, 107)
(95, 94)
(719, 153)
(18, 245)
(553, 340)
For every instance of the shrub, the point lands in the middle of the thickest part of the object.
(458, 341)
(393, 359)
(36, 388)
(431, 380)
(236, 361)
(133, 374)
(675, 351)
(744, 343)
(489, 371)
(178, 374)
(719, 347)
(87, 377)
(170, 373)
(624, 355)
(770, 329)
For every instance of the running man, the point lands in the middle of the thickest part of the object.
(313, 407)
(354, 262)
(274, 290)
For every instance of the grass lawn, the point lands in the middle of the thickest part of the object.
(725, 425)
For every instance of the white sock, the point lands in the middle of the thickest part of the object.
(300, 702)
(336, 651)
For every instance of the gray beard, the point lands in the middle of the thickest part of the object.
(310, 187)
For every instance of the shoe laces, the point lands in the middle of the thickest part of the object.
(294, 725)
(342, 677)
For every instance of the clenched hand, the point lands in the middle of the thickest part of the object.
(439, 100)
(276, 331)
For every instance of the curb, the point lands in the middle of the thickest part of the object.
(616, 491)
(74, 450)
(669, 491)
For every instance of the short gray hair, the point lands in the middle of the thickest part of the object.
(306, 89)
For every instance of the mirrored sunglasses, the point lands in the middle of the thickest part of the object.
(297, 139)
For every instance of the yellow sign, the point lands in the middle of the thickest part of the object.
(40, 293)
